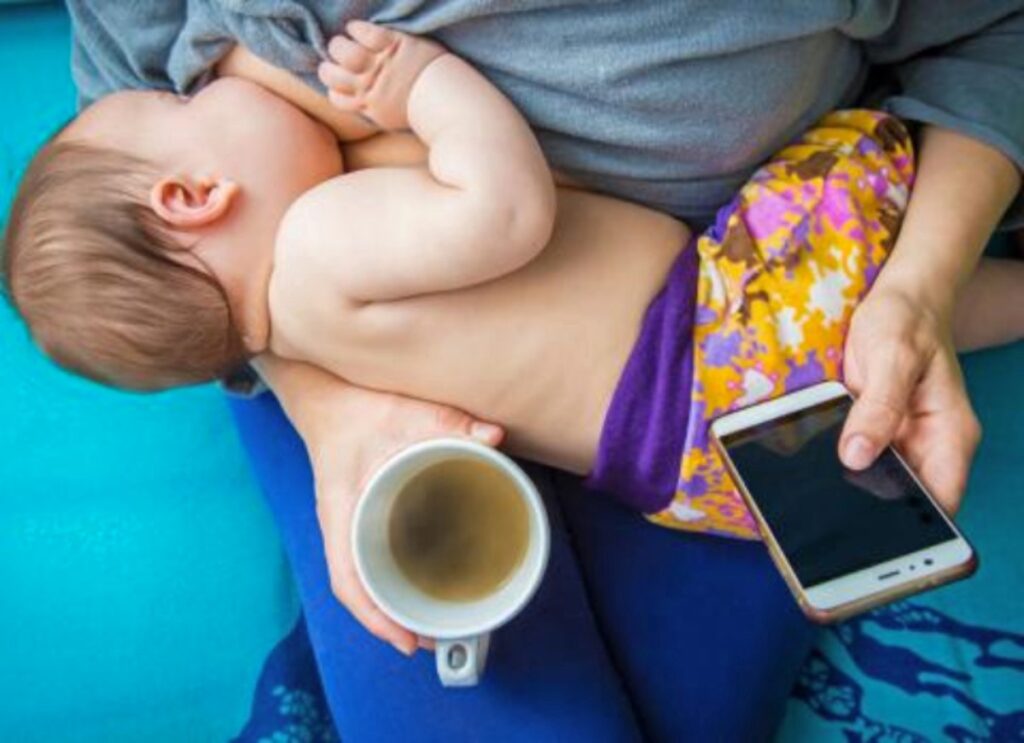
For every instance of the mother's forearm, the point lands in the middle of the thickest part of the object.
(332, 415)
(304, 392)
(962, 189)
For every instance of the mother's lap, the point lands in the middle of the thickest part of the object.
(637, 630)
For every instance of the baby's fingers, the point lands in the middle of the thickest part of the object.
(350, 55)
(370, 35)
(337, 78)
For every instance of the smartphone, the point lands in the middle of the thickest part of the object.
(845, 541)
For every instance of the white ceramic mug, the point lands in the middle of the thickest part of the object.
(461, 628)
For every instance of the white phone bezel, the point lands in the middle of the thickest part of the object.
(906, 569)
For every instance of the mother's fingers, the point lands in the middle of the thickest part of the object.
(889, 375)
(371, 428)
(943, 433)
(945, 477)
(345, 581)
(940, 451)
(337, 79)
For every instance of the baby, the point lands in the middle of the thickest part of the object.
(143, 252)
(161, 241)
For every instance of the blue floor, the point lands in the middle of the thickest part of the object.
(141, 585)
(141, 582)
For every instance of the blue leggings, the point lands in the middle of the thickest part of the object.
(637, 633)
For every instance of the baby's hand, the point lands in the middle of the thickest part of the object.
(373, 72)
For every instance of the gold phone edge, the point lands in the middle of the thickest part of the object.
(851, 608)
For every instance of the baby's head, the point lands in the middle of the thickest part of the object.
(141, 239)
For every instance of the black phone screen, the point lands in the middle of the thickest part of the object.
(827, 519)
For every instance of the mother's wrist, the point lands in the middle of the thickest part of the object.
(309, 395)
(930, 291)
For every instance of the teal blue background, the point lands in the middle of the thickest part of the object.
(990, 602)
(142, 585)
(141, 581)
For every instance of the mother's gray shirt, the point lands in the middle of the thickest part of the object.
(668, 102)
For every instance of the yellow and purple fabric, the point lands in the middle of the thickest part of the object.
(780, 274)
(756, 306)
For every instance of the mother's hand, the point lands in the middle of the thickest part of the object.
(349, 432)
(901, 363)
(899, 352)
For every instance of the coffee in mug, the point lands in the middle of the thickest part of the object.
(450, 540)
(459, 529)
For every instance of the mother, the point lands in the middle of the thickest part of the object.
(638, 631)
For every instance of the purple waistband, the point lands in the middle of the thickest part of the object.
(644, 428)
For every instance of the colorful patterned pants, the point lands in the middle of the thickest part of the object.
(780, 275)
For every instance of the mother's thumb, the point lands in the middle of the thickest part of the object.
(454, 422)
(872, 424)
(486, 433)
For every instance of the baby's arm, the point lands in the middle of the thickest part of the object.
(483, 207)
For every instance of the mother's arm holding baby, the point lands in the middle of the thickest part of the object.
(349, 432)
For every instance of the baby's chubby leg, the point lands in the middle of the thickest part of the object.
(491, 196)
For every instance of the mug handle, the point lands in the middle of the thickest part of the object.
(461, 662)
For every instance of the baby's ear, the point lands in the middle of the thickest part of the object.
(190, 203)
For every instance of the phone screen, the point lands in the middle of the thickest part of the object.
(827, 519)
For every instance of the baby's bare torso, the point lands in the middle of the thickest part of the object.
(539, 350)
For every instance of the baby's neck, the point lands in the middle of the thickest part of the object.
(253, 307)
(241, 258)
(252, 260)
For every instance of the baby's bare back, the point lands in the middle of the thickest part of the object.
(539, 350)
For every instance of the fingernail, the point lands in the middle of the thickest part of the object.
(403, 649)
(858, 453)
(483, 431)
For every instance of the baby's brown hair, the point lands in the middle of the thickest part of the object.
(92, 270)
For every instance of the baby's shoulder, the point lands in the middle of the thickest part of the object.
(344, 210)
(305, 222)
(304, 277)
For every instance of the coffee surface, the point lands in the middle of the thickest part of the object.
(458, 530)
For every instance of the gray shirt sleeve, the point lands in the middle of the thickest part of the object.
(960, 65)
(106, 58)
(174, 44)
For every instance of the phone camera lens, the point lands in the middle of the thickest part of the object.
(928, 561)
(912, 567)
(926, 518)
